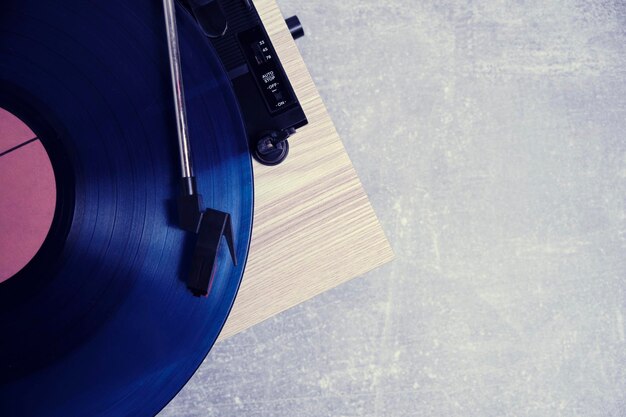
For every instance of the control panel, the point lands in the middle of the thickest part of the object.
(269, 106)
(268, 74)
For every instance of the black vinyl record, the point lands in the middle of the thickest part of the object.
(100, 322)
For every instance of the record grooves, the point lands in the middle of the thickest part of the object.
(100, 321)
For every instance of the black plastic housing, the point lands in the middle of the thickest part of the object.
(266, 98)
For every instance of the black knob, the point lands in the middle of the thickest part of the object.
(272, 148)
(295, 27)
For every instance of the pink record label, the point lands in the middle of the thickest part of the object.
(27, 194)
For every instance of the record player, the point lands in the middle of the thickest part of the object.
(146, 242)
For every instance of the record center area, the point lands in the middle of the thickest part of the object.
(28, 194)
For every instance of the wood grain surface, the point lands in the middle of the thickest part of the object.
(314, 227)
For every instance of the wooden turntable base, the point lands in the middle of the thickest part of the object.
(314, 227)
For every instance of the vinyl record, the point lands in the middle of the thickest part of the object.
(100, 322)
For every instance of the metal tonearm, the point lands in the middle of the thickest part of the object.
(208, 224)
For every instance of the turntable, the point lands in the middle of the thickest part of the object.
(158, 196)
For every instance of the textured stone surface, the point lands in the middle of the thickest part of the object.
(490, 137)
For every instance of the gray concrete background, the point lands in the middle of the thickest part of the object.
(490, 139)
